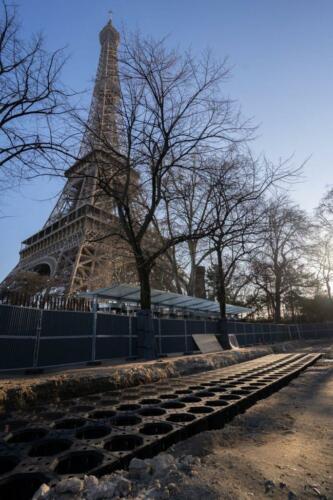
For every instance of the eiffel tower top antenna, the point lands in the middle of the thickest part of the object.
(102, 121)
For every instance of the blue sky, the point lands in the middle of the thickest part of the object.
(282, 59)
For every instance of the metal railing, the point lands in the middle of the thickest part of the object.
(44, 301)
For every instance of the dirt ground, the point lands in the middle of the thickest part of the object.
(20, 391)
(281, 448)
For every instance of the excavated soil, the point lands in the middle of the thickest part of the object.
(19, 391)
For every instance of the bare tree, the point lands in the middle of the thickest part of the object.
(170, 107)
(279, 265)
(327, 265)
(237, 276)
(239, 185)
(324, 211)
(34, 105)
(321, 256)
(195, 206)
(189, 214)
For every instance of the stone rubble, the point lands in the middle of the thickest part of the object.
(150, 479)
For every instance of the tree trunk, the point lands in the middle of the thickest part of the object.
(221, 284)
(175, 270)
(144, 271)
(192, 246)
(277, 307)
(292, 305)
(277, 297)
(328, 288)
(221, 293)
(145, 324)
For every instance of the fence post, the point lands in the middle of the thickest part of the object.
(185, 331)
(37, 342)
(299, 331)
(159, 336)
(94, 330)
(146, 336)
(271, 337)
(130, 346)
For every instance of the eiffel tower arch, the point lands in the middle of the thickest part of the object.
(66, 248)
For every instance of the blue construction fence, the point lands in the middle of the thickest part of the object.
(32, 338)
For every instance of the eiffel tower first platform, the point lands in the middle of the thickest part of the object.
(64, 249)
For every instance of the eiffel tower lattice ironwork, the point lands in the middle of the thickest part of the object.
(63, 248)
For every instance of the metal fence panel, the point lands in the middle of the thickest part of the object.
(232, 327)
(39, 337)
(195, 326)
(112, 347)
(61, 351)
(63, 323)
(211, 327)
(18, 336)
(18, 321)
(16, 353)
(191, 345)
(114, 336)
(110, 324)
(173, 345)
(171, 336)
(241, 340)
(172, 327)
(259, 333)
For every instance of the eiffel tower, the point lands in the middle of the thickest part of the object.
(63, 249)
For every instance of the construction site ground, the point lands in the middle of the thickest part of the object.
(21, 391)
(280, 448)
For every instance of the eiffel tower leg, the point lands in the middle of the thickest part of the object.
(73, 275)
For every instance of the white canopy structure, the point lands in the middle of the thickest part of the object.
(131, 294)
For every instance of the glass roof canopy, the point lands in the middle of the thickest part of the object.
(129, 293)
